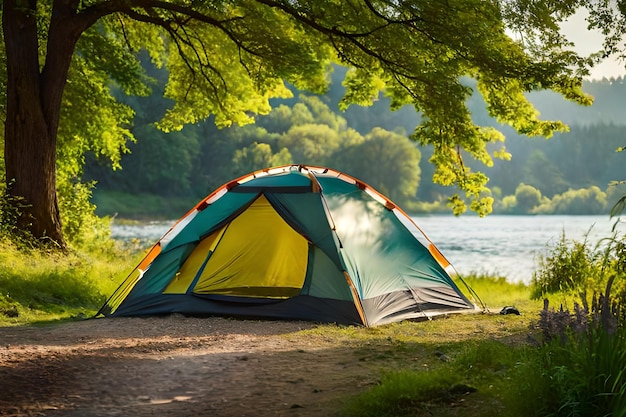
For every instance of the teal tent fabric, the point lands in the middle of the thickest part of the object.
(363, 264)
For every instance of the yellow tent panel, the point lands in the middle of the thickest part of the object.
(192, 265)
(260, 255)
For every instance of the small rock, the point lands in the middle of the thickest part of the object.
(10, 312)
(461, 389)
(510, 310)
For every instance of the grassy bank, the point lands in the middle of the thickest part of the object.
(37, 286)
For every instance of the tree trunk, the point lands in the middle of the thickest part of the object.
(33, 110)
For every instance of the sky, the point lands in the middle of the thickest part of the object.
(587, 42)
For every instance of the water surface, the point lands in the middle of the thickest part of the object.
(505, 245)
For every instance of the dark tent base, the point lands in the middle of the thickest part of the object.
(392, 307)
(305, 308)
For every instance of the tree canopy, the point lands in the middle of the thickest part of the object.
(227, 59)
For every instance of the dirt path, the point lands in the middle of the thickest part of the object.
(176, 366)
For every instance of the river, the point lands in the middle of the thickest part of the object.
(508, 245)
(503, 245)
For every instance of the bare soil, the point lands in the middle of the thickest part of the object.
(178, 366)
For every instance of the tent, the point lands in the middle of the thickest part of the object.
(293, 242)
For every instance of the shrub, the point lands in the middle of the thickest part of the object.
(581, 363)
(581, 360)
(570, 267)
(81, 227)
(10, 212)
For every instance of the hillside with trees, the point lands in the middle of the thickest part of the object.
(568, 174)
(226, 61)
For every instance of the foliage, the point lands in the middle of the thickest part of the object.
(590, 200)
(527, 197)
(82, 227)
(203, 156)
(10, 209)
(569, 267)
(525, 200)
(258, 156)
(529, 200)
(226, 60)
(387, 161)
(582, 359)
(578, 268)
(307, 132)
(310, 143)
(581, 363)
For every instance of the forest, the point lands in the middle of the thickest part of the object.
(163, 174)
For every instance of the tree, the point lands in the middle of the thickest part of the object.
(388, 162)
(527, 197)
(258, 156)
(228, 58)
(542, 173)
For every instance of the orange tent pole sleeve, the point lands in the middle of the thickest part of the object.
(357, 299)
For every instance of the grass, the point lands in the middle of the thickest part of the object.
(496, 292)
(38, 286)
(457, 365)
(406, 393)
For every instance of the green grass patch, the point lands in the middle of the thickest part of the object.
(473, 380)
(43, 286)
(496, 292)
(407, 393)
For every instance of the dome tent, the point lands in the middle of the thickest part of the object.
(293, 242)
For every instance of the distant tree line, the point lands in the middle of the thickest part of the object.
(569, 173)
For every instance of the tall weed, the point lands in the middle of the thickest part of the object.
(581, 375)
(570, 267)
(581, 361)
(81, 227)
